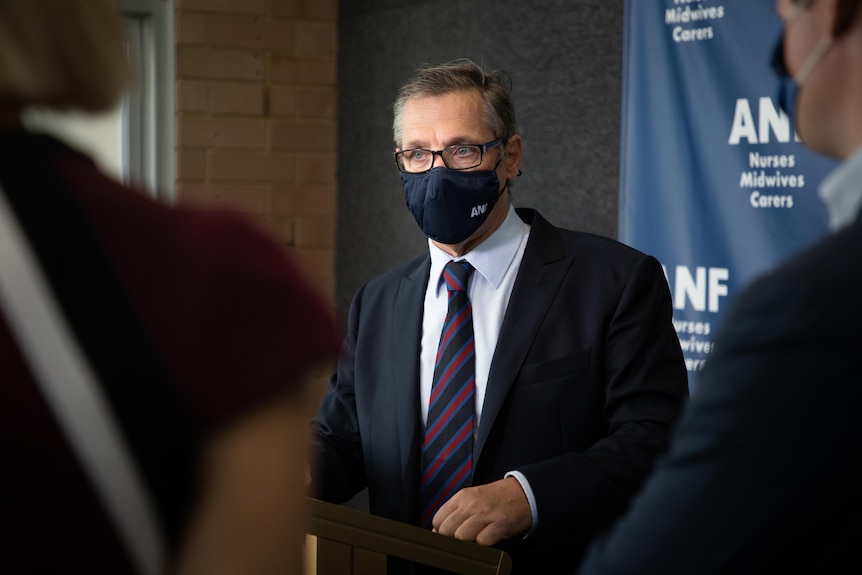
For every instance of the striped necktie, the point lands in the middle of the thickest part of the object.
(447, 453)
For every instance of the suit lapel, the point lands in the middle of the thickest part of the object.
(542, 269)
(406, 329)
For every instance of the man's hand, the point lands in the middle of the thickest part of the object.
(486, 513)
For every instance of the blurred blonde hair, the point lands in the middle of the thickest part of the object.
(62, 54)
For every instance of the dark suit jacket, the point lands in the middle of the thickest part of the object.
(765, 470)
(585, 384)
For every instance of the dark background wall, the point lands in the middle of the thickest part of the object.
(565, 61)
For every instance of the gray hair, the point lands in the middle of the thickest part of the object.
(455, 76)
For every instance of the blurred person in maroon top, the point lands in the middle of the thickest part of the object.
(198, 329)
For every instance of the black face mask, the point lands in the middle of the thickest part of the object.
(450, 205)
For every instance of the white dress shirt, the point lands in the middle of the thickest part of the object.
(496, 261)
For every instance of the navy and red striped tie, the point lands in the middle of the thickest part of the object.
(447, 453)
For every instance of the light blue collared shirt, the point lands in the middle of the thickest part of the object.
(842, 193)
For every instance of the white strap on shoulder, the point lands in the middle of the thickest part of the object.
(69, 386)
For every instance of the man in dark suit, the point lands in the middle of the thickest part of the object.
(575, 371)
(764, 472)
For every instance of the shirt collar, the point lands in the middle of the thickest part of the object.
(842, 193)
(493, 256)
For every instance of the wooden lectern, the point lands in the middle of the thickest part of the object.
(343, 541)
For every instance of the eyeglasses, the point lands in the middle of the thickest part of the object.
(456, 157)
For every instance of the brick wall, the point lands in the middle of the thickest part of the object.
(256, 122)
(256, 119)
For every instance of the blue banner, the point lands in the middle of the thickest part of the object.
(713, 180)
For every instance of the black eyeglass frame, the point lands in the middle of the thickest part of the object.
(482, 149)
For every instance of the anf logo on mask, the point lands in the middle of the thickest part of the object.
(478, 210)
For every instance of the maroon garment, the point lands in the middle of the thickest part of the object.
(224, 315)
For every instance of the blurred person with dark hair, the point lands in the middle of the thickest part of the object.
(198, 331)
(765, 466)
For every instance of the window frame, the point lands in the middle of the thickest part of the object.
(148, 110)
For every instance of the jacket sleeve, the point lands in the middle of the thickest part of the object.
(338, 471)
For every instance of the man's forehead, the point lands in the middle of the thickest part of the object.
(455, 116)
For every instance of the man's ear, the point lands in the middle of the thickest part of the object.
(513, 152)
